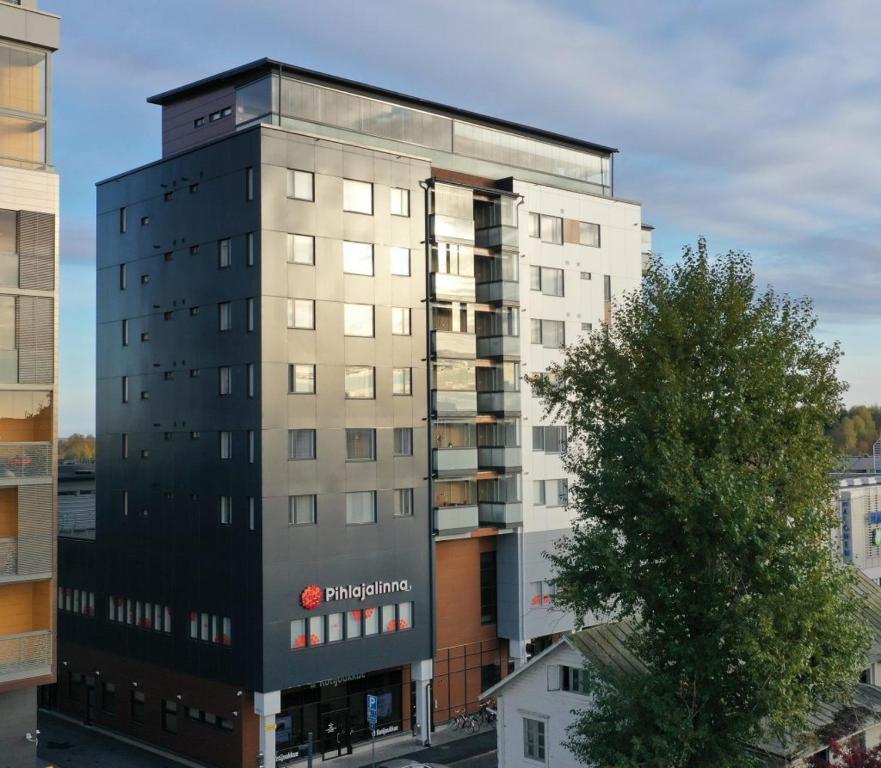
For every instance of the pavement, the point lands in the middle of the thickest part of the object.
(68, 744)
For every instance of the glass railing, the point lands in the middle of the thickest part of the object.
(456, 345)
(499, 458)
(499, 291)
(454, 461)
(449, 228)
(452, 287)
(449, 519)
(24, 461)
(25, 654)
(453, 403)
(508, 515)
(497, 237)
(498, 402)
(507, 347)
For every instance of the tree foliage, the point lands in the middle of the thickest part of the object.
(76, 447)
(703, 503)
(856, 430)
(848, 754)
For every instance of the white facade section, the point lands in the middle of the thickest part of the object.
(22, 189)
(859, 533)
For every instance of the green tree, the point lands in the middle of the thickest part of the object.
(856, 430)
(703, 509)
(76, 447)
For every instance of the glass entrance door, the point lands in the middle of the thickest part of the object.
(336, 737)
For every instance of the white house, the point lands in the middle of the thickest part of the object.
(535, 703)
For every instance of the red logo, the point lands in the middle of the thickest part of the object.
(310, 597)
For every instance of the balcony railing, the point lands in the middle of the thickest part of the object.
(501, 347)
(499, 292)
(453, 403)
(452, 287)
(28, 554)
(500, 403)
(454, 519)
(497, 237)
(499, 458)
(25, 461)
(453, 345)
(450, 228)
(454, 461)
(27, 654)
(506, 514)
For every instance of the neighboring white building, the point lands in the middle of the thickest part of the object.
(859, 508)
(536, 703)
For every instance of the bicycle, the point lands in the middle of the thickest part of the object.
(473, 722)
(457, 721)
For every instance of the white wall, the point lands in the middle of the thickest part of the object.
(527, 695)
(857, 499)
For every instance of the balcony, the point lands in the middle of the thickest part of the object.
(456, 519)
(448, 287)
(498, 292)
(499, 403)
(27, 654)
(453, 345)
(502, 514)
(450, 228)
(22, 463)
(453, 462)
(26, 555)
(499, 347)
(499, 459)
(497, 237)
(453, 403)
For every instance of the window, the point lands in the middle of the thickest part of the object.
(405, 616)
(607, 288)
(226, 510)
(298, 633)
(249, 314)
(169, 716)
(301, 313)
(125, 503)
(249, 249)
(551, 334)
(538, 492)
(389, 619)
(589, 234)
(534, 739)
(585, 275)
(108, 697)
(145, 336)
(399, 201)
(301, 185)
(224, 258)
(123, 276)
(359, 383)
(249, 184)
(334, 627)
(557, 493)
(125, 389)
(587, 326)
(551, 229)
(547, 280)
(400, 260)
(123, 220)
(199, 122)
(301, 249)
(361, 508)
(549, 439)
(358, 320)
(224, 316)
(137, 706)
(302, 509)
(371, 621)
(353, 624)
(125, 333)
(402, 381)
(403, 441)
(145, 221)
(403, 502)
(225, 379)
(124, 448)
(226, 445)
(357, 196)
(316, 630)
(301, 443)
(301, 379)
(360, 445)
(194, 188)
(357, 258)
(488, 592)
(573, 679)
(250, 379)
(400, 321)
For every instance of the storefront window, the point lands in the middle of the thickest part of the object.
(298, 633)
(389, 619)
(353, 624)
(405, 616)
(371, 621)
(316, 630)
(334, 627)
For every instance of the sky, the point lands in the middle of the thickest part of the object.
(754, 124)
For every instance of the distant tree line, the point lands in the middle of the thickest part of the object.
(856, 430)
(76, 447)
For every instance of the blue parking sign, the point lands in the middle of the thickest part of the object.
(372, 707)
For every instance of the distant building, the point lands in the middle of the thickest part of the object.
(535, 704)
(646, 248)
(859, 532)
(28, 392)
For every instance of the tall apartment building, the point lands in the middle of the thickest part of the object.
(320, 473)
(28, 265)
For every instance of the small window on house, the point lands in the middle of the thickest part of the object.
(403, 441)
(249, 249)
(137, 706)
(226, 510)
(400, 321)
(403, 502)
(145, 279)
(402, 381)
(360, 444)
(123, 276)
(249, 184)
(359, 382)
(357, 258)
(302, 509)
(534, 739)
(125, 333)
(357, 196)
(301, 313)
(361, 508)
(301, 185)
(399, 201)
(226, 445)
(249, 315)
(123, 221)
(301, 379)
(224, 316)
(585, 275)
(225, 380)
(301, 249)
(169, 716)
(224, 257)
(589, 234)
(301, 444)
(145, 221)
(400, 260)
(358, 320)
